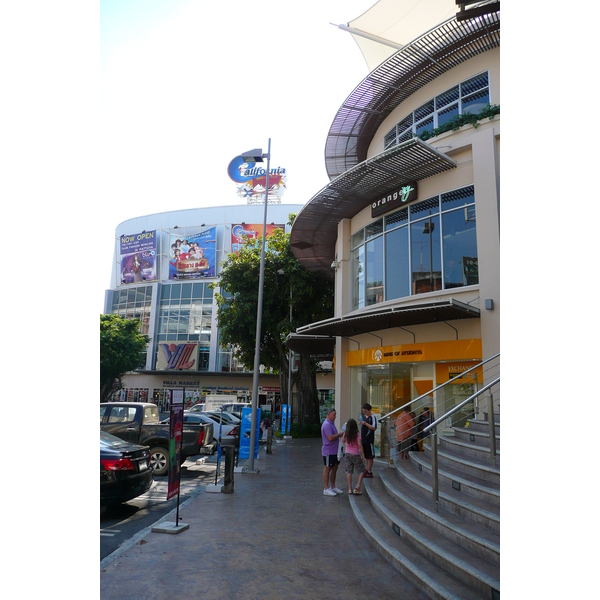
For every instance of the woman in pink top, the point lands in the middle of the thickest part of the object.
(354, 456)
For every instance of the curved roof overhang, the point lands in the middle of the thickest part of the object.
(376, 320)
(314, 231)
(415, 65)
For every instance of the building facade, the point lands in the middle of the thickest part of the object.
(409, 225)
(163, 268)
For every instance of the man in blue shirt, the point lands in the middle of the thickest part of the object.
(330, 436)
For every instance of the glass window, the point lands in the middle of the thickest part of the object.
(397, 277)
(358, 238)
(426, 257)
(186, 290)
(374, 229)
(122, 414)
(198, 290)
(425, 208)
(165, 292)
(446, 98)
(176, 291)
(390, 138)
(458, 198)
(424, 126)
(358, 271)
(424, 110)
(447, 114)
(460, 248)
(400, 217)
(374, 279)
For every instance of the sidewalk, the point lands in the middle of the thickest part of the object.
(276, 536)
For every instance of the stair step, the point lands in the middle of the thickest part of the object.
(467, 448)
(470, 568)
(481, 425)
(475, 436)
(426, 575)
(472, 508)
(469, 465)
(469, 535)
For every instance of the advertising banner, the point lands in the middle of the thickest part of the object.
(175, 433)
(193, 256)
(241, 234)
(245, 428)
(284, 417)
(179, 356)
(138, 257)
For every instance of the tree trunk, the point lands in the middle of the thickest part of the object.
(308, 403)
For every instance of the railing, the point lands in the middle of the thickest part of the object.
(491, 428)
(443, 399)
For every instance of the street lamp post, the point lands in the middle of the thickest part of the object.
(257, 156)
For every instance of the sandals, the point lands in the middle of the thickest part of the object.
(350, 492)
(357, 492)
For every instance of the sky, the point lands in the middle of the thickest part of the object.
(184, 89)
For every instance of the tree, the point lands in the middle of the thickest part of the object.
(122, 349)
(286, 282)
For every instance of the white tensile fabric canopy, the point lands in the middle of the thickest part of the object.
(399, 22)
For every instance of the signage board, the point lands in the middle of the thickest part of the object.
(252, 180)
(394, 199)
(138, 257)
(245, 428)
(214, 402)
(175, 433)
(192, 255)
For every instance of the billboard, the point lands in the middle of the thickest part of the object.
(252, 180)
(138, 257)
(240, 234)
(193, 256)
(178, 356)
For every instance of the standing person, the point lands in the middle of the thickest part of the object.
(355, 457)
(404, 426)
(425, 419)
(330, 437)
(367, 436)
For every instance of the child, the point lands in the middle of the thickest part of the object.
(354, 456)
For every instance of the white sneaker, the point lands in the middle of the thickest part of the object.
(336, 490)
(329, 492)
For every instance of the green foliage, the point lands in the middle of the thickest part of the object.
(122, 349)
(311, 299)
(489, 112)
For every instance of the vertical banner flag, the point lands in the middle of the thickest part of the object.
(289, 421)
(284, 417)
(138, 257)
(245, 428)
(175, 433)
(193, 256)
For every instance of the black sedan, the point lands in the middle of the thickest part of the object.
(125, 471)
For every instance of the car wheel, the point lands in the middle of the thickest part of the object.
(159, 460)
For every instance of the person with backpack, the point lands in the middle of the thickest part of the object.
(367, 436)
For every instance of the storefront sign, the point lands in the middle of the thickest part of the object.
(397, 197)
(427, 352)
(252, 180)
(138, 257)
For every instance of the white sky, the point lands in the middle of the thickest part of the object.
(184, 89)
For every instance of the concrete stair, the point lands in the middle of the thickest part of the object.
(452, 550)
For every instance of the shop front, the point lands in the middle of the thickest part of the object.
(388, 377)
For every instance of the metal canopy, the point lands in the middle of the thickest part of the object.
(314, 231)
(418, 63)
(315, 345)
(396, 316)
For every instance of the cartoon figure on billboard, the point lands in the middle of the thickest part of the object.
(252, 180)
(194, 256)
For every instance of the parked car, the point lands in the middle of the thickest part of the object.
(125, 471)
(138, 423)
(227, 417)
(235, 407)
(230, 430)
(197, 407)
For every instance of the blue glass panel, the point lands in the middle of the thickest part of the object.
(460, 248)
(426, 255)
(397, 276)
(374, 277)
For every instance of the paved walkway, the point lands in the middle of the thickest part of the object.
(276, 536)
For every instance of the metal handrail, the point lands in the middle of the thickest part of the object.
(434, 435)
(435, 389)
(463, 403)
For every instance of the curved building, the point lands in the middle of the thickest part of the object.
(161, 274)
(409, 224)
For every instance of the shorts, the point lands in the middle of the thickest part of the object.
(369, 450)
(355, 460)
(331, 460)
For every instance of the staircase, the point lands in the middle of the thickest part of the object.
(451, 551)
